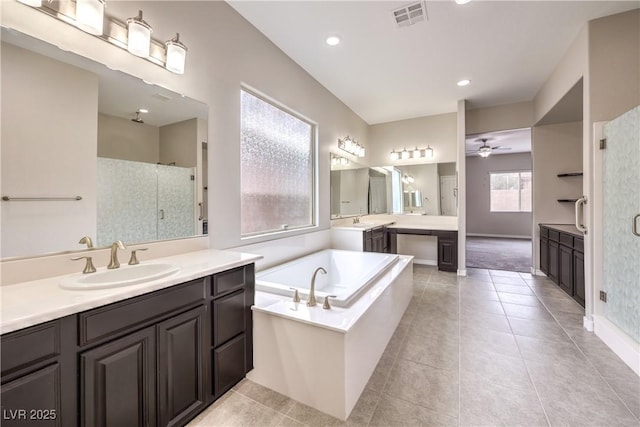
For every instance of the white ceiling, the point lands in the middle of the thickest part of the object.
(385, 73)
(510, 142)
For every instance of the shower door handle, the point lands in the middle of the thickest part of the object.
(634, 225)
(161, 213)
(201, 216)
(579, 211)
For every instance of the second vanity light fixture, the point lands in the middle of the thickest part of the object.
(416, 153)
(88, 15)
(351, 146)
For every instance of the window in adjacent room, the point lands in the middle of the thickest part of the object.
(277, 167)
(510, 191)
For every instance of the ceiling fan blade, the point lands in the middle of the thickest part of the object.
(501, 148)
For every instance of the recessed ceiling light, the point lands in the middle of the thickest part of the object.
(464, 82)
(462, 1)
(143, 110)
(333, 40)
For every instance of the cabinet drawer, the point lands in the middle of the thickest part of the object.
(229, 316)
(33, 397)
(28, 346)
(229, 364)
(228, 281)
(566, 239)
(117, 318)
(544, 232)
(554, 235)
(578, 244)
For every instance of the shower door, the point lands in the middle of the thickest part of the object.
(621, 222)
(176, 198)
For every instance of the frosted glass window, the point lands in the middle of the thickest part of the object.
(510, 192)
(276, 167)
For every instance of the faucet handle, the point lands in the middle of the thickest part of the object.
(88, 267)
(134, 259)
(296, 295)
(326, 304)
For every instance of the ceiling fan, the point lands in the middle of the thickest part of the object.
(485, 151)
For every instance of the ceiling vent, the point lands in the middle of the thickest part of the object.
(410, 14)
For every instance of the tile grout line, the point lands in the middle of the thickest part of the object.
(535, 389)
(587, 358)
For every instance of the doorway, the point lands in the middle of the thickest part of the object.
(499, 200)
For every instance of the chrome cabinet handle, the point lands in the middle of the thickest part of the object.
(634, 226)
(579, 205)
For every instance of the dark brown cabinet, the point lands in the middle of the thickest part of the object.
(447, 251)
(182, 373)
(562, 260)
(118, 382)
(154, 360)
(376, 240)
(232, 333)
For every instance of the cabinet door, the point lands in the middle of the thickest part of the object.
(553, 261)
(33, 399)
(117, 382)
(565, 275)
(578, 277)
(181, 367)
(229, 364)
(448, 252)
(544, 255)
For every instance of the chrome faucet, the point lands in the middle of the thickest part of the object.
(356, 220)
(113, 263)
(311, 301)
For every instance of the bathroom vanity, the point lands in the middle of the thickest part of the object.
(158, 358)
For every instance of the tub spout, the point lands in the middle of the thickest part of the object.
(311, 301)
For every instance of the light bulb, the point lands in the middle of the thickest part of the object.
(176, 55)
(139, 36)
(90, 16)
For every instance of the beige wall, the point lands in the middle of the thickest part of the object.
(480, 219)
(124, 139)
(225, 51)
(501, 117)
(179, 143)
(438, 131)
(69, 114)
(556, 149)
(614, 65)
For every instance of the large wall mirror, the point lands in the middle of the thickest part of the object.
(89, 151)
(420, 189)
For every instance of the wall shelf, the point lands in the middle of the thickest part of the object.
(564, 175)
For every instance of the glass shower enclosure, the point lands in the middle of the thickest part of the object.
(621, 222)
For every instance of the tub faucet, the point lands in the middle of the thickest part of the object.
(311, 301)
(113, 263)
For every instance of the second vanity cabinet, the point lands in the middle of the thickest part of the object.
(376, 240)
(153, 360)
(562, 259)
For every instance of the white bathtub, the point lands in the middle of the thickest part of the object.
(348, 274)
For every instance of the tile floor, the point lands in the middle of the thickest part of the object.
(493, 348)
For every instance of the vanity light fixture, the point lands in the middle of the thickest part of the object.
(338, 160)
(176, 55)
(90, 16)
(138, 36)
(134, 36)
(416, 153)
(462, 1)
(351, 146)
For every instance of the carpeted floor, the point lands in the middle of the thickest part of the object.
(499, 254)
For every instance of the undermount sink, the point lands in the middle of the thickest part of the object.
(363, 225)
(123, 276)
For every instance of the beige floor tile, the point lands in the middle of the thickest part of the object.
(549, 351)
(435, 389)
(485, 367)
(398, 412)
(432, 348)
(549, 330)
(511, 298)
(484, 306)
(503, 273)
(476, 319)
(310, 416)
(267, 397)
(513, 289)
(364, 409)
(476, 293)
(516, 281)
(472, 339)
(486, 404)
(538, 312)
(235, 409)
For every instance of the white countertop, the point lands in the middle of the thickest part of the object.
(440, 227)
(364, 225)
(339, 319)
(30, 303)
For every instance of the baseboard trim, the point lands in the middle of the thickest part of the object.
(425, 261)
(587, 323)
(462, 272)
(504, 236)
(537, 272)
(623, 345)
